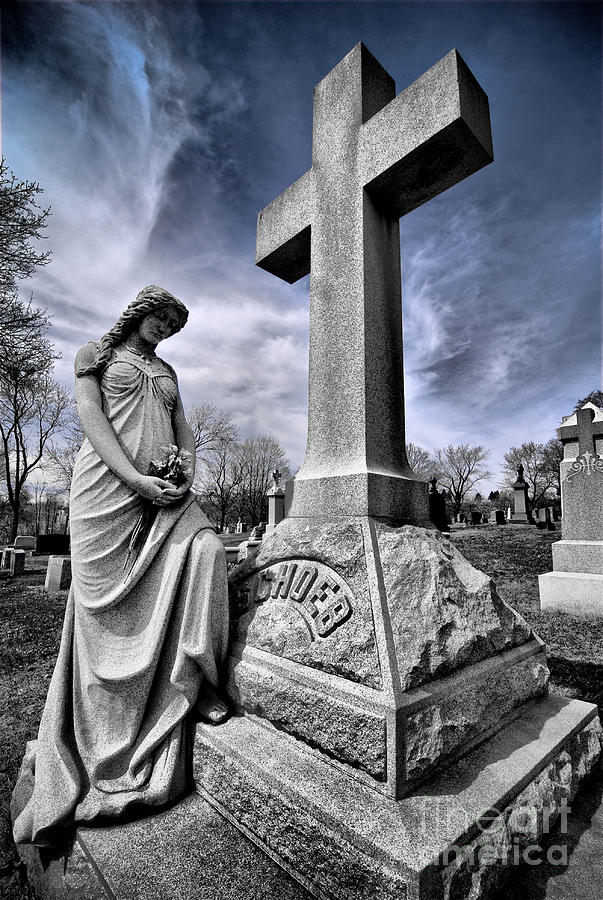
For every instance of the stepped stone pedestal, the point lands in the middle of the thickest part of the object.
(389, 701)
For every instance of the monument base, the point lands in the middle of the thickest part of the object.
(578, 594)
(578, 556)
(458, 836)
(396, 499)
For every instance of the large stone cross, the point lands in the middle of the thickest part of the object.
(375, 157)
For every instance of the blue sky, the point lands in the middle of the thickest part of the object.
(158, 130)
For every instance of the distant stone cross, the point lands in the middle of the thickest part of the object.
(375, 157)
(585, 430)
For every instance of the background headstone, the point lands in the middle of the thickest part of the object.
(437, 507)
(276, 503)
(58, 574)
(575, 585)
(17, 562)
(521, 505)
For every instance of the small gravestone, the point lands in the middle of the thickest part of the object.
(437, 507)
(476, 517)
(25, 542)
(575, 585)
(241, 527)
(7, 555)
(232, 556)
(248, 549)
(276, 502)
(497, 517)
(521, 506)
(58, 574)
(17, 563)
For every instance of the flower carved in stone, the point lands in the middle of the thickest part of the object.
(317, 593)
(587, 463)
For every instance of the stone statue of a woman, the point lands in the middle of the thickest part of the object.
(142, 641)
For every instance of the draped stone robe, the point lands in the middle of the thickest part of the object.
(136, 646)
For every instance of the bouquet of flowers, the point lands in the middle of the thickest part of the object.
(173, 467)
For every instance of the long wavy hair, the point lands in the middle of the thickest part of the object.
(149, 300)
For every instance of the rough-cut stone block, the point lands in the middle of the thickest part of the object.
(344, 630)
(344, 720)
(578, 556)
(444, 613)
(17, 562)
(342, 840)
(449, 715)
(58, 574)
(578, 594)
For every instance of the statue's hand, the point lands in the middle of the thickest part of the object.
(152, 488)
(175, 494)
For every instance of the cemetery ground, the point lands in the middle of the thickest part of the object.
(30, 628)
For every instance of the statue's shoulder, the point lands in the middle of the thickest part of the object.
(85, 355)
(170, 369)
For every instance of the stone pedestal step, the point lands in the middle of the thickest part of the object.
(346, 841)
(340, 839)
(189, 852)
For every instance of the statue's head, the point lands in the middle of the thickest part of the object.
(150, 299)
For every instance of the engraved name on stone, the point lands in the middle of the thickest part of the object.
(588, 464)
(320, 596)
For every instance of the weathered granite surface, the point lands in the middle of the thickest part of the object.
(343, 840)
(191, 852)
(382, 647)
(478, 705)
(268, 616)
(187, 852)
(337, 724)
(444, 612)
(482, 865)
(375, 157)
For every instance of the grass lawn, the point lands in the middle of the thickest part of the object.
(30, 628)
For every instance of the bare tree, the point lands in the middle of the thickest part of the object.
(21, 220)
(538, 467)
(33, 408)
(552, 454)
(47, 501)
(60, 456)
(459, 469)
(420, 461)
(210, 426)
(595, 397)
(220, 479)
(260, 457)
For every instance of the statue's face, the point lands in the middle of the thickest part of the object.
(159, 325)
